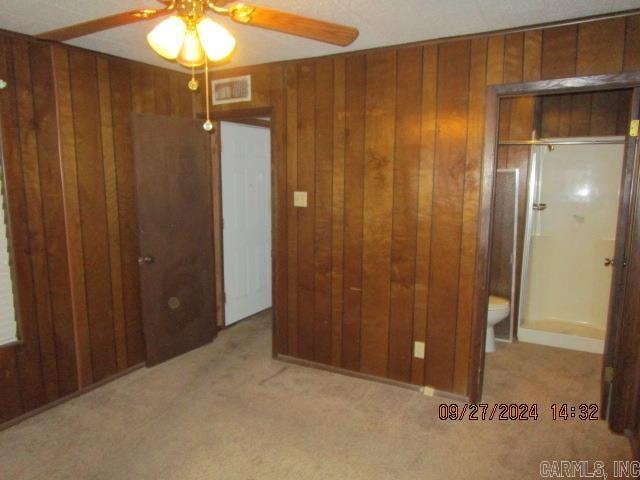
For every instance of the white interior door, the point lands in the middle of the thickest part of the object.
(246, 212)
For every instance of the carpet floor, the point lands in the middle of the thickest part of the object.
(229, 411)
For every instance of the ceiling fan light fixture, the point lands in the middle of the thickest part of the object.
(191, 54)
(216, 40)
(167, 37)
(191, 39)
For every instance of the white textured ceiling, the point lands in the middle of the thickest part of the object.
(381, 22)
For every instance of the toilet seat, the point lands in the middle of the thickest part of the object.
(498, 311)
(498, 303)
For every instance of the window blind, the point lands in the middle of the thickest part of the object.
(7, 309)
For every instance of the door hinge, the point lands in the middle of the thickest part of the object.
(633, 128)
(608, 374)
(224, 297)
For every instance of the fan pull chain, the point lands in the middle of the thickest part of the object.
(193, 83)
(208, 125)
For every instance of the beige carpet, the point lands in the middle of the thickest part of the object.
(228, 411)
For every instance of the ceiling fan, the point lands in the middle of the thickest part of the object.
(241, 13)
(193, 39)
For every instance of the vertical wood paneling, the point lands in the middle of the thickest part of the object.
(323, 200)
(142, 89)
(91, 191)
(180, 97)
(162, 97)
(68, 165)
(631, 60)
(584, 114)
(378, 206)
(532, 55)
(580, 114)
(53, 217)
(28, 361)
(121, 108)
(425, 194)
(10, 401)
(306, 216)
(495, 60)
(337, 239)
(513, 57)
(624, 102)
(406, 172)
(445, 207)
(292, 212)
(550, 116)
(35, 218)
(564, 117)
(449, 170)
(355, 72)
(69, 169)
(559, 46)
(592, 59)
(603, 117)
(475, 143)
(112, 207)
(279, 208)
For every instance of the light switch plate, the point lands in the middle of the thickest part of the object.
(418, 349)
(299, 199)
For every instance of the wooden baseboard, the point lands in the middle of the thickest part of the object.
(60, 401)
(365, 376)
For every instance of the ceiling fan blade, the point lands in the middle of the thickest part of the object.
(104, 23)
(293, 24)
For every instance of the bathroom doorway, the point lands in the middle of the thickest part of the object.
(615, 373)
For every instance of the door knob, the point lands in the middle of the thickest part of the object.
(609, 262)
(148, 260)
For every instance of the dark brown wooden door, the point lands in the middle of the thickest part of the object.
(621, 369)
(173, 173)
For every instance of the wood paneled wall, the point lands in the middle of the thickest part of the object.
(70, 187)
(388, 144)
(597, 114)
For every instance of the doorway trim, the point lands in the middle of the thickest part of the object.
(246, 116)
(494, 94)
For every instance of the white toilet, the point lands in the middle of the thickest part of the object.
(499, 309)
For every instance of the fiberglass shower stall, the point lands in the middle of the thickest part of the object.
(572, 209)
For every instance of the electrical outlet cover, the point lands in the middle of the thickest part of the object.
(299, 199)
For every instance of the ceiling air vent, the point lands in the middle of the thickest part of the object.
(232, 90)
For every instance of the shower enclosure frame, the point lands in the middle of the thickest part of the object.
(514, 252)
(534, 171)
(625, 237)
